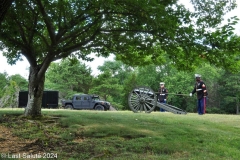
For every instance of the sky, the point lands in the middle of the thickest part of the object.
(21, 67)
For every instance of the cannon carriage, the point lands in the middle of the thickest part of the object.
(144, 99)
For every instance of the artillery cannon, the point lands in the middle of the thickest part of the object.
(144, 99)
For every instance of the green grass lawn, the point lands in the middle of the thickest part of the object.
(124, 135)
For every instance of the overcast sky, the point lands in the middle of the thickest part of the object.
(21, 67)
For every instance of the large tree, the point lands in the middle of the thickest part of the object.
(44, 31)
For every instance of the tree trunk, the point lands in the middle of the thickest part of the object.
(35, 92)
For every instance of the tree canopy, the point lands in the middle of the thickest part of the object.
(4, 6)
(44, 31)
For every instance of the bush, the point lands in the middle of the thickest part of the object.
(117, 106)
(10, 96)
(215, 110)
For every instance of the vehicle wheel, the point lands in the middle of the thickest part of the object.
(68, 106)
(99, 107)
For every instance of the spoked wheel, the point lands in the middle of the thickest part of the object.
(142, 99)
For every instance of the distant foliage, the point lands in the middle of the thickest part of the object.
(9, 89)
(105, 85)
(21, 81)
(3, 83)
(10, 96)
(69, 76)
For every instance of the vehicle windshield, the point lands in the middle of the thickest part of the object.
(96, 98)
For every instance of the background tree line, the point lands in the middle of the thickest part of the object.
(116, 80)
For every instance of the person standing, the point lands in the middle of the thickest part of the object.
(201, 91)
(162, 95)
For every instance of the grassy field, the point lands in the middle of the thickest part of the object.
(124, 135)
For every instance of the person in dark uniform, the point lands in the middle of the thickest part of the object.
(162, 94)
(201, 90)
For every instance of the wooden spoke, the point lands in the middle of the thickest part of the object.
(142, 99)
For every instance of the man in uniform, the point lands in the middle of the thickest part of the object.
(200, 89)
(162, 94)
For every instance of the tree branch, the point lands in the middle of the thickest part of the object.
(32, 28)
(73, 22)
(77, 46)
(21, 30)
(47, 21)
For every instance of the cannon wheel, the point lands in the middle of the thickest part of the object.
(142, 99)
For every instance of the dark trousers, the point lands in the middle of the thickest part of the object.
(162, 110)
(200, 104)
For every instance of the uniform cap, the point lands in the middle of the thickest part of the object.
(197, 75)
(162, 83)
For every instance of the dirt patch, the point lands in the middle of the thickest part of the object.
(36, 137)
(14, 146)
(10, 144)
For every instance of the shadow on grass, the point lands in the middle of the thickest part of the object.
(124, 135)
